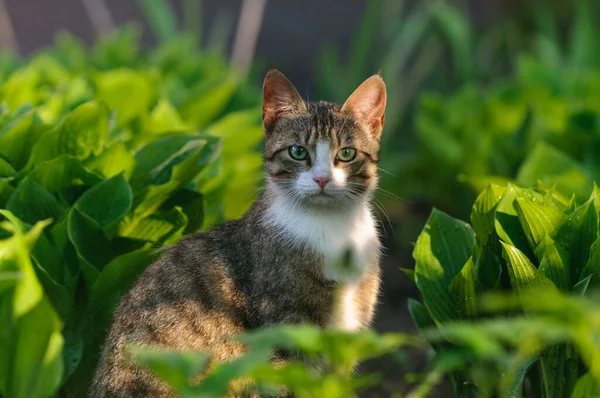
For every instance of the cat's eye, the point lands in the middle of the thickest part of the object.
(298, 153)
(346, 154)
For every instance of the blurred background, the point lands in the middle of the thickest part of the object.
(479, 91)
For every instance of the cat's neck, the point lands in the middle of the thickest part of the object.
(327, 232)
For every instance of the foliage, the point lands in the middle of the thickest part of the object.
(535, 243)
(122, 151)
(335, 351)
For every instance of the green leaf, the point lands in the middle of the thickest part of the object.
(164, 118)
(165, 166)
(18, 135)
(210, 101)
(584, 37)
(157, 228)
(593, 265)
(487, 267)
(161, 17)
(62, 172)
(419, 315)
(117, 87)
(538, 220)
(587, 386)
(464, 290)
(115, 279)
(507, 224)
(578, 233)
(549, 165)
(81, 134)
(90, 242)
(484, 209)
(174, 368)
(6, 170)
(523, 274)
(442, 249)
(581, 287)
(31, 203)
(554, 263)
(113, 161)
(107, 202)
(553, 362)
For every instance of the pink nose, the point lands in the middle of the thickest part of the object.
(322, 180)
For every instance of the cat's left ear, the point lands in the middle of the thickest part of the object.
(367, 104)
(279, 98)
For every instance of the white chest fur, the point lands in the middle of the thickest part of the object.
(332, 235)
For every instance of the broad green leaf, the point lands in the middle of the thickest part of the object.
(241, 132)
(592, 266)
(464, 290)
(548, 164)
(166, 166)
(584, 37)
(442, 249)
(192, 205)
(488, 268)
(6, 170)
(554, 263)
(18, 135)
(82, 133)
(89, 240)
(174, 368)
(118, 87)
(419, 314)
(506, 220)
(114, 280)
(553, 361)
(578, 233)
(31, 203)
(482, 215)
(107, 202)
(164, 118)
(38, 366)
(581, 287)
(157, 228)
(523, 274)
(113, 161)
(62, 172)
(538, 220)
(210, 101)
(587, 386)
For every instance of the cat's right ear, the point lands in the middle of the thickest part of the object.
(279, 97)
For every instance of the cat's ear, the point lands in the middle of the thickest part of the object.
(367, 104)
(279, 97)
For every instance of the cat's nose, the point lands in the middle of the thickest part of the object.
(322, 180)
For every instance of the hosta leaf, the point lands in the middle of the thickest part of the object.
(487, 267)
(506, 220)
(89, 240)
(578, 233)
(174, 368)
(18, 135)
(581, 287)
(548, 164)
(164, 118)
(62, 172)
(523, 274)
(587, 386)
(192, 205)
(554, 263)
(442, 249)
(209, 101)
(538, 220)
(482, 215)
(81, 134)
(117, 87)
(157, 228)
(165, 166)
(107, 202)
(593, 265)
(553, 361)
(114, 160)
(31, 203)
(6, 170)
(114, 280)
(241, 132)
(464, 289)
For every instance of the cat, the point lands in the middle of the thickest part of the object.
(279, 263)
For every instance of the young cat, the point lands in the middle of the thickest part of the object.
(278, 263)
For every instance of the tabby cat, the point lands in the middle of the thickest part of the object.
(278, 264)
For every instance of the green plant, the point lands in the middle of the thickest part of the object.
(337, 352)
(124, 151)
(533, 242)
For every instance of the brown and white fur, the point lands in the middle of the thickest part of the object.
(278, 264)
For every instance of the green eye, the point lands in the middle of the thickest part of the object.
(298, 153)
(346, 154)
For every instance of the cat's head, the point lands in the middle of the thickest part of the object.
(320, 154)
